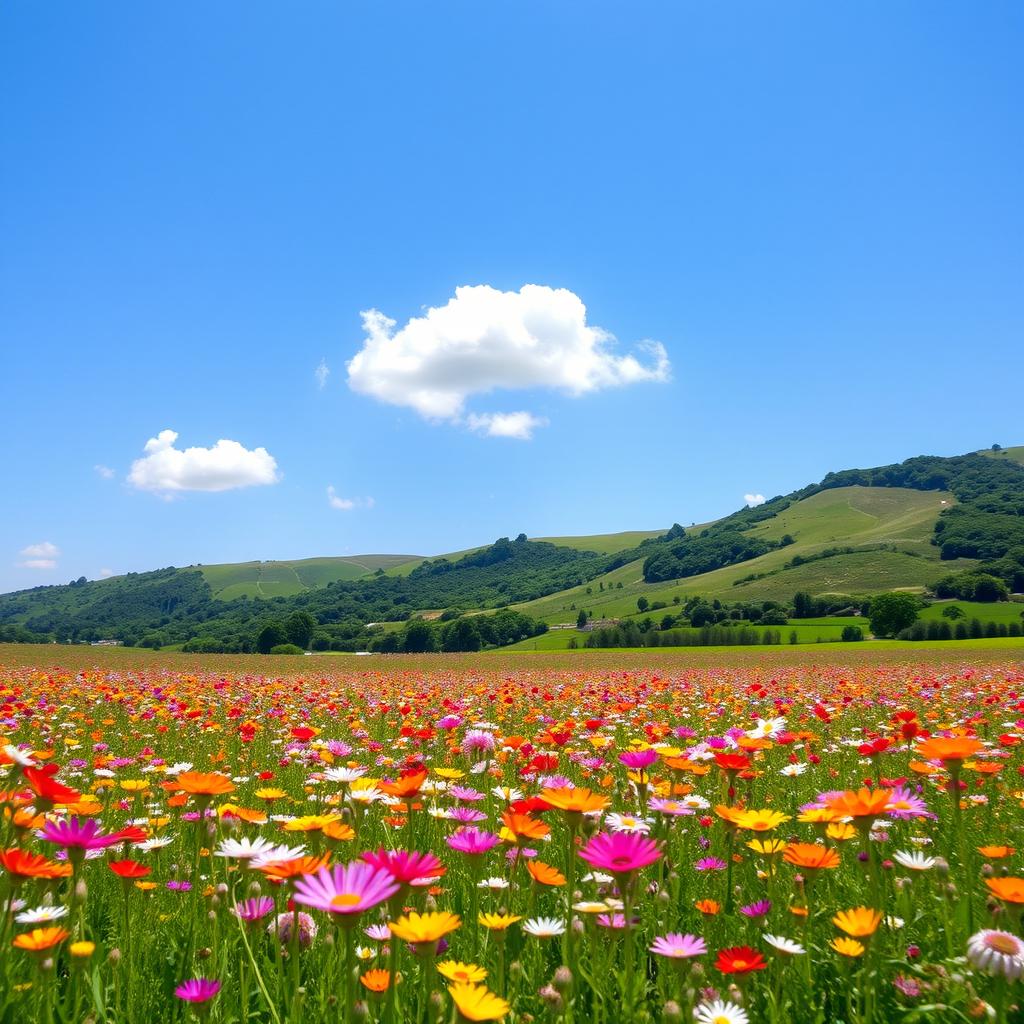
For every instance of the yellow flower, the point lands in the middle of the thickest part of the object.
(767, 847)
(847, 947)
(840, 831)
(82, 948)
(309, 822)
(455, 970)
(449, 773)
(761, 821)
(417, 928)
(858, 922)
(497, 923)
(134, 785)
(270, 793)
(477, 1002)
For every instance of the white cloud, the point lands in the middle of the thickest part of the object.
(753, 500)
(225, 466)
(520, 425)
(322, 372)
(483, 340)
(104, 471)
(106, 573)
(335, 500)
(40, 556)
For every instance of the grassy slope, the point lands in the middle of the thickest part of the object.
(843, 517)
(1013, 454)
(281, 579)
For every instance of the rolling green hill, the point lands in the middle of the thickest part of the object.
(855, 533)
(890, 530)
(283, 579)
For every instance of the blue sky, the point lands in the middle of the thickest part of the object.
(814, 208)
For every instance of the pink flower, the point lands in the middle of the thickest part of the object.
(472, 841)
(197, 990)
(620, 853)
(405, 866)
(639, 759)
(679, 946)
(346, 888)
(252, 910)
(78, 834)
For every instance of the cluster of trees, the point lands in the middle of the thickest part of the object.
(711, 549)
(972, 586)
(960, 630)
(460, 633)
(629, 634)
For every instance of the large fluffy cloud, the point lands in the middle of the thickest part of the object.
(753, 500)
(40, 556)
(225, 466)
(484, 340)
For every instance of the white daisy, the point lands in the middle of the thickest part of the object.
(493, 883)
(720, 1012)
(156, 843)
(507, 793)
(627, 823)
(244, 849)
(544, 927)
(41, 915)
(996, 952)
(783, 945)
(791, 771)
(18, 756)
(914, 861)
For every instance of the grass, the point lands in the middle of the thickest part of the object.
(859, 517)
(1013, 454)
(285, 578)
(994, 611)
(604, 543)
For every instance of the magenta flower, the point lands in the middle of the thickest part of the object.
(710, 864)
(620, 853)
(466, 815)
(465, 794)
(756, 910)
(474, 842)
(405, 866)
(346, 889)
(679, 946)
(78, 834)
(254, 910)
(639, 759)
(197, 990)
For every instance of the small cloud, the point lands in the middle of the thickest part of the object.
(104, 471)
(106, 573)
(225, 466)
(519, 425)
(322, 372)
(483, 340)
(753, 500)
(39, 556)
(335, 500)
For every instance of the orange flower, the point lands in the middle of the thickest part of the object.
(708, 907)
(338, 831)
(810, 857)
(544, 874)
(996, 852)
(376, 980)
(522, 826)
(1009, 890)
(283, 870)
(205, 783)
(21, 864)
(40, 939)
(866, 804)
(859, 922)
(951, 748)
(407, 785)
(574, 801)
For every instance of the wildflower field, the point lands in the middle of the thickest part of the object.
(694, 837)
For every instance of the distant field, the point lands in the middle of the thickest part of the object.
(858, 517)
(282, 579)
(754, 659)
(987, 611)
(604, 543)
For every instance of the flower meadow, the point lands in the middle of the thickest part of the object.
(720, 844)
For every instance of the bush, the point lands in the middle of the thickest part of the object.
(287, 649)
(851, 634)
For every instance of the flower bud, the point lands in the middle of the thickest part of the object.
(671, 1013)
(562, 979)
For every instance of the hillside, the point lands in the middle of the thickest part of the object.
(855, 533)
(283, 579)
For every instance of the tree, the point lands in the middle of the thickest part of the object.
(954, 611)
(890, 613)
(418, 638)
(298, 627)
(851, 634)
(581, 619)
(270, 636)
(642, 604)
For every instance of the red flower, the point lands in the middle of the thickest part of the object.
(128, 869)
(740, 960)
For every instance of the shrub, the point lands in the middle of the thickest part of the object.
(286, 649)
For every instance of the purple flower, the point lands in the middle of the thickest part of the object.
(472, 841)
(197, 990)
(756, 910)
(679, 946)
(710, 864)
